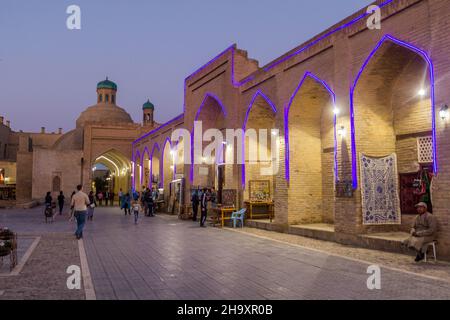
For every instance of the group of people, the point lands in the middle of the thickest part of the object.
(105, 196)
(200, 198)
(138, 202)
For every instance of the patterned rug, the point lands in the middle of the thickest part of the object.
(379, 190)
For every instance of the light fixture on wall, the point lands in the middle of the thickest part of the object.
(336, 110)
(422, 92)
(444, 113)
(275, 132)
(341, 131)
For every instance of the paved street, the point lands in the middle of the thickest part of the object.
(166, 258)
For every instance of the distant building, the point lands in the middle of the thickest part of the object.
(32, 164)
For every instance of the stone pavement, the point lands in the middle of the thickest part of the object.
(166, 258)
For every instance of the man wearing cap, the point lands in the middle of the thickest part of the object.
(423, 231)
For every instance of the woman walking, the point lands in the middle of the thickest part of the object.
(126, 203)
(91, 207)
(61, 200)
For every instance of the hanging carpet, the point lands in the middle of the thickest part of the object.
(379, 190)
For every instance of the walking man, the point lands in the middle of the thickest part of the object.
(61, 200)
(204, 208)
(195, 202)
(80, 201)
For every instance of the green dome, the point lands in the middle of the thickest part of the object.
(107, 84)
(148, 105)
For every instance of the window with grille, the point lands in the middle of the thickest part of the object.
(425, 149)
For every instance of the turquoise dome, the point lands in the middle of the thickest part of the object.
(107, 84)
(148, 105)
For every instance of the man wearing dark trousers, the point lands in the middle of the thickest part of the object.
(203, 206)
(195, 202)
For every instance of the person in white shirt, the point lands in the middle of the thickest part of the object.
(79, 203)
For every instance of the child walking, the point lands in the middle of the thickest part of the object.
(136, 207)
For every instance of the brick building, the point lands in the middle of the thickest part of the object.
(348, 92)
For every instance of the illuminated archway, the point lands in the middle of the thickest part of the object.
(119, 167)
(259, 124)
(392, 108)
(311, 151)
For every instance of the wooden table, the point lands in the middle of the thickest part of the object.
(268, 204)
(221, 213)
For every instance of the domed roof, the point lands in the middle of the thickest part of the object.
(103, 113)
(107, 84)
(148, 105)
(72, 140)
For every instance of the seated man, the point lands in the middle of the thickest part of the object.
(423, 231)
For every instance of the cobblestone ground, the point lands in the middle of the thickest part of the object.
(165, 258)
(44, 275)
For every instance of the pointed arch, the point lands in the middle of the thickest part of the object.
(263, 96)
(152, 154)
(307, 75)
(389, 38)
(167, 142)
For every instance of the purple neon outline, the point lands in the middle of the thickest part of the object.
(133, 187)
(424, 55)
(197, 115)
(142, 163)
(155, 146)
(177, 118)
(244, 126)
(286, 123)
(326, 35)
(169, 141)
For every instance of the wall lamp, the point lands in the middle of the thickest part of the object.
(341, 131)
(444, 113)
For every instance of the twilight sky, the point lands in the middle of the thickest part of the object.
(48, 74)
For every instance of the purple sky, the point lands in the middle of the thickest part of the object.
(48, 74)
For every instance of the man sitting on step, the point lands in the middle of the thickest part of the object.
(423, 231)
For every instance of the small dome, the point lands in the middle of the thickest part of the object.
(148, 105)
(107, 84)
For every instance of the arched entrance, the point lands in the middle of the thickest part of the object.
(137, 171)
(392, 101)
(113, 171)
(260, 165)
(168, 161)
(212, 115)
(154, 167)
(310, 152)
(146, 168)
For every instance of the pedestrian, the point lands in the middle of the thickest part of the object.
(155, 196)
(195, 202)
(204, 208)
(213, 197)
(149, 202)
(91, 207)
(48, 212)
(126, 203)
(120, 197)
(80, 201)
(136, 207)
(111, 196)
(61, 200)
(106, 198)
(100, 198)
(424, 231)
